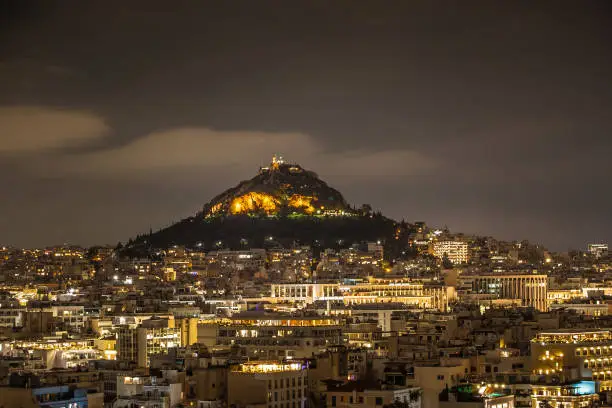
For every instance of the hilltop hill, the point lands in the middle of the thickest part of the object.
(283, 204)
(282, 189)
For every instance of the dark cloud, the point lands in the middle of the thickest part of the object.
(490, 117)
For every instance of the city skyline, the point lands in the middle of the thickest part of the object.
(491, 119)
(305, 204)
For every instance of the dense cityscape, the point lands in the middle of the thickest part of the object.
(423, 317)
(305, 204)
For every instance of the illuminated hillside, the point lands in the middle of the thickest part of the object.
(283, 201)
(281, 189)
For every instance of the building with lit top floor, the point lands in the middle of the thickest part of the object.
(580, 394)
(268, 384)
(148, 391)
(561, 357)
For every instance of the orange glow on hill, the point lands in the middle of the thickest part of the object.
(302, 202)
(215, 208)
(251, 202)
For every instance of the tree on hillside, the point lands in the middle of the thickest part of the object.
(446, 262)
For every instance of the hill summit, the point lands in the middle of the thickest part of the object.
(280, 189)
(283, 205)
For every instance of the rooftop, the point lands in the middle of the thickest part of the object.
(364, 385)
(267, 367)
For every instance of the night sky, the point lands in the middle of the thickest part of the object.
(490, 117)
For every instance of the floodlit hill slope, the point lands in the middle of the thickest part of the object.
(283, 204)
(280, 189)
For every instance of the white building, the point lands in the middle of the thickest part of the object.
(381, 290)
(456, 251)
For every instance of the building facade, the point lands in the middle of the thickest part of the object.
(529, 289)
(268, 384)
(455, 251)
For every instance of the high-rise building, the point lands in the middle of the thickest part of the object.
(127, 344)
(153, 336)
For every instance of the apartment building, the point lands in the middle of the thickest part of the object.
(153, 336)
(563, 356)
(577, 395)
(272, 336)
(147, 392)
(268, 384)
(364, 394)
(455, 251)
